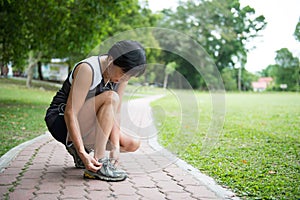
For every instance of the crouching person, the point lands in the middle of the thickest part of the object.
(84, 115)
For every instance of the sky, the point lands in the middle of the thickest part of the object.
(281, 17)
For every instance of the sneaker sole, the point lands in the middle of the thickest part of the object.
(91, 175)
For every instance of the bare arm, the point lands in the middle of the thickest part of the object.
(79, 89)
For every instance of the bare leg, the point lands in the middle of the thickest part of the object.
(96, 120)
(106, 119)
(128, 144)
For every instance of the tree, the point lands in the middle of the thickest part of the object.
(247, 79)
(270, 71)
(221, 27)
(297, 31)
(35, 30)
(170, 68)
(297, 36)
(288, 69)
(229, 78)
(10, 34)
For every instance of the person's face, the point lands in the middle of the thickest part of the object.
(117, 75)
(115, 72)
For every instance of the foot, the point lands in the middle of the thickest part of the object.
(108, 172)
(77, 160)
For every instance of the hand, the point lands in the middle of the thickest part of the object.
(114, 156)
(90, 162)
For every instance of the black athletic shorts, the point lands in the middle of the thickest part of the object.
(59, 129)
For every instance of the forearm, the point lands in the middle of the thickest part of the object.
(74, 132)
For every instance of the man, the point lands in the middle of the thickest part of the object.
(85, 113)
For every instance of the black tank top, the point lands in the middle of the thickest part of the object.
(58, 104)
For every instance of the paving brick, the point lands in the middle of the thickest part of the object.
(35, 174)
(123, 189)
(143, 181)
(46, 196)
(160, 176)
(22, 194)
(72, 171)
(11, 171)
(189, 180)
(18, 164)
(104, 194)
(28, 184)
(97, 185)
(175, 171)
(129, 197)
(48, 188)
(73, 192)
(23, 158)
(178, 195)
(200, 192)
(168, 186)
(54, 168)
(135, 170)
(36, 166)
(52, 177)
(74, 181)
(4, 189)
(150, 193)
(40, 160)
(7, 179)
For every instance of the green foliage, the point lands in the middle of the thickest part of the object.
(257, 156)
(285, 71)
(64, 29)
(229, 78)
(270, 71)
(221, 27)
(297, 31)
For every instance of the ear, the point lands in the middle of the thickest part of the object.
(110, 59)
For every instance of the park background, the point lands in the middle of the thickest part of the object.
(257, 155)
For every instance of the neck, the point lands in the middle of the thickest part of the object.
(104, 68)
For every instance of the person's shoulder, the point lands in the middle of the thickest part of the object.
(83, 68)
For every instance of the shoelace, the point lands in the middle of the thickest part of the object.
(107, 162)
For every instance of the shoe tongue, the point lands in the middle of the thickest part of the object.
(103, 160)
(107, 162)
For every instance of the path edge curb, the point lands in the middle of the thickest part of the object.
(12, 153)
(208, 181)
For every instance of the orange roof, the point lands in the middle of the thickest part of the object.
(265, 79)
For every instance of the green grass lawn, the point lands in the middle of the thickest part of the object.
(257, 155)
(22, 112)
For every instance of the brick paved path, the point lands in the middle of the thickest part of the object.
(44, 170)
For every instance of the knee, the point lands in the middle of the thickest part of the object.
(111, 97)
(134, 145)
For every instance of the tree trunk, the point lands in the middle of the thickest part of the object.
(32, 61)
(180, 85)
(166, 80)
(39, 64)
(240, 79)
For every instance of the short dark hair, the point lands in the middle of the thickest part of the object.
(130, 56)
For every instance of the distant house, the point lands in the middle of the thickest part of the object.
(262, 84)
(56, 70)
